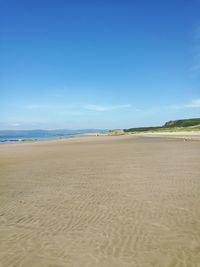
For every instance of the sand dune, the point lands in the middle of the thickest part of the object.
(100, 201)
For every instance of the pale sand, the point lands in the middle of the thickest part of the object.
(188, 135)
(100, 201)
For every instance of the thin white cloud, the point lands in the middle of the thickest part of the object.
(197, 33)
(37, 106)
(196, 63)
(69, 113)
(56, 106)
(106, 107)
(15, 124)
(195, 67)
(193, 104)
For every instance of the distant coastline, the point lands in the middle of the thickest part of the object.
(8, 139)
(11, 136)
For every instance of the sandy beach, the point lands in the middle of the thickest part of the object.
(187, 135)
(105, 201)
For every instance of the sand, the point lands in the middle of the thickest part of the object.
(187, 135)
(104, 201)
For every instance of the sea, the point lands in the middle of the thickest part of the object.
(10, 136)
(32, 137)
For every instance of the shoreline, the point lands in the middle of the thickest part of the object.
(29, 140)
(97, 136)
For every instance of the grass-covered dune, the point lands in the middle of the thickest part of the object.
(183, 123)
(176, 125)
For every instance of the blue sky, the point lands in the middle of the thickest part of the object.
(98, 64)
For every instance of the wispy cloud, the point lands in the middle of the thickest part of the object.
(196, 60)
(195, 67)
(106, 107)
(37, 106)
(15, 124)
(69, 113)
(193, 104)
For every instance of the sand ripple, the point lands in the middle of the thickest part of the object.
(132, 202)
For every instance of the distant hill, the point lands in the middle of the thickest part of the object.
(183, 123)
(173, 125)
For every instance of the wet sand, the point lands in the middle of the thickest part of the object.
(104, 201)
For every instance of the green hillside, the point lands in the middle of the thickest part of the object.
(176, 125)
(183, 123)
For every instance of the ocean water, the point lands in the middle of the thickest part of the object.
(22, 138)
(25, 135)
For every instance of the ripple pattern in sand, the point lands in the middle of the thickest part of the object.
(97, 205)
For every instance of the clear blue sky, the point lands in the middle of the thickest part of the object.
(98, 64)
